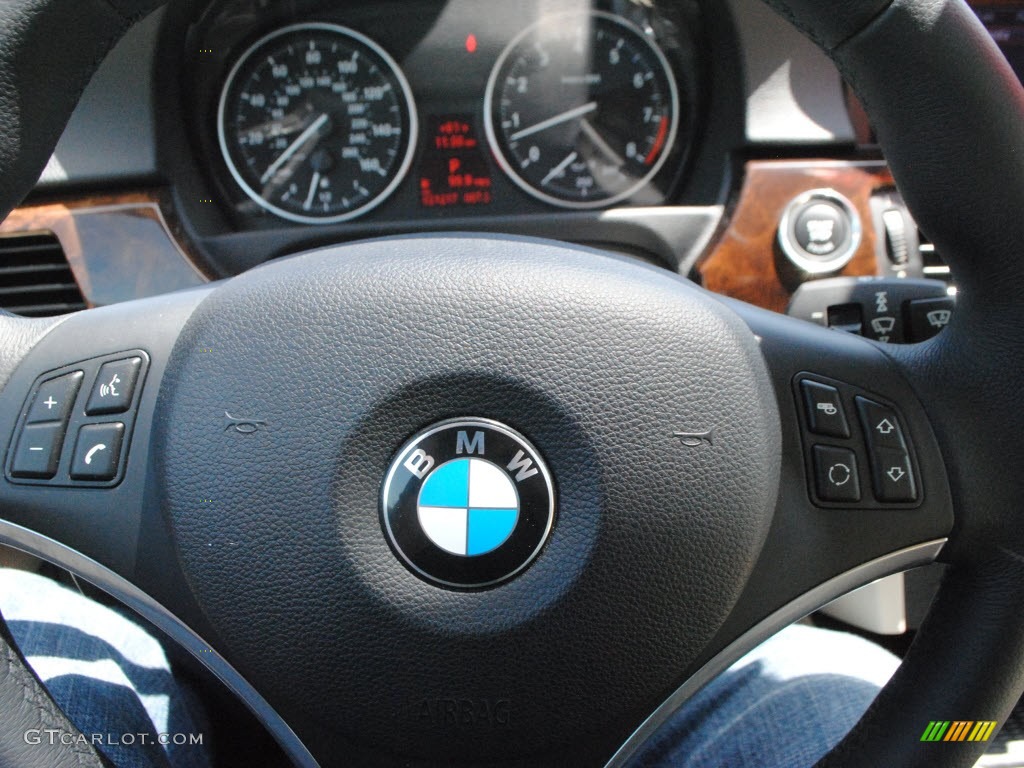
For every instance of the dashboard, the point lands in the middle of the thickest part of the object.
(221, 134)
(315, 122)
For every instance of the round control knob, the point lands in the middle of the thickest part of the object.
(820, 231)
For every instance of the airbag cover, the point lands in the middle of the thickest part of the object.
(294, 385)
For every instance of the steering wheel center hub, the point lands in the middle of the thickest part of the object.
(344, 356)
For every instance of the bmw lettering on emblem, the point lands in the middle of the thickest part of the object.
(467, 503)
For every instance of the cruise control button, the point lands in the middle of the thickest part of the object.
(824, 409)
(97, 451)
(114, 386)
(892, 475)
(38, 451)
(835, 474)
(881, 425)
(54, 399)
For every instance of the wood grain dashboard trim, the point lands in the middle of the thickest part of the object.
(745, 263)
(123, 247)
(119, 247)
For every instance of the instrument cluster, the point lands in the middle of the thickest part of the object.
(313, 113)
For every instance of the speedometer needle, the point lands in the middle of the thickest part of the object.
(312, 191)
(563, 117)
(294, 147)
(558, 169)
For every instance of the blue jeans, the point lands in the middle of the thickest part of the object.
(784, 704)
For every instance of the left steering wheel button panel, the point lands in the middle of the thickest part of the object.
(62, 438)
(38, 451)
(54, 399)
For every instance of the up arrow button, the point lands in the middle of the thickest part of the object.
(881, 425)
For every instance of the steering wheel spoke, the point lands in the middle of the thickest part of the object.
(862, 472)
(76, 416)
(842, 518)
(94, 380)
(863, 489)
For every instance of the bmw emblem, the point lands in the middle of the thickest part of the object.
(467, 503)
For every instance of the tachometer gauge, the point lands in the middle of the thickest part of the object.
(582, 110)
(316, 123)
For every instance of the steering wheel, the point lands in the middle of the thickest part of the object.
(692, 516)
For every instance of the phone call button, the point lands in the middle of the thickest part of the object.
(97, 451)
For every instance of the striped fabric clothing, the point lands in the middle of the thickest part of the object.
(111, 678)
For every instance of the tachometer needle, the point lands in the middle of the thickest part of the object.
(563, 117)
(294, 147)
(600, 143)
(312, 191)
(558, 169)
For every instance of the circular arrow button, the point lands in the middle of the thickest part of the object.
(839, 475)
(835, 474)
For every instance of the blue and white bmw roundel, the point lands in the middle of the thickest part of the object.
(468, 507)
(467, 503)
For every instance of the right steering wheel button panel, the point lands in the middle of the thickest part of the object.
(882, 444)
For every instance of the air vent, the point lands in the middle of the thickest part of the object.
(931, 263)
(35, 279)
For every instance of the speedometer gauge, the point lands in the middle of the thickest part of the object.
(316, 123)
(582, 110)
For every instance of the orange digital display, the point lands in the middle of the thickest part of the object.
(454, 171)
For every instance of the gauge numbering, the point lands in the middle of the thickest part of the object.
(316, 123)
(582, 110)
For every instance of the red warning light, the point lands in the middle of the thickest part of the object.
(471, 43)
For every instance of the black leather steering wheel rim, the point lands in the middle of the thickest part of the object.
(930, 112)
